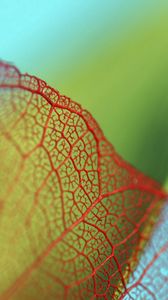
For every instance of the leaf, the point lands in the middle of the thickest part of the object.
(74, 216)
(149, 280)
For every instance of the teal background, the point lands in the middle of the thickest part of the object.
(111, 56)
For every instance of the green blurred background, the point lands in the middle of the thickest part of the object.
(111, 56)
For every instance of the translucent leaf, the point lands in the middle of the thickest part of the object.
(74, 216)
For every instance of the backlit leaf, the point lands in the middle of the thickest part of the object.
(74, 216)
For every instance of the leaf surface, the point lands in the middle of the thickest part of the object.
(74, 216)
